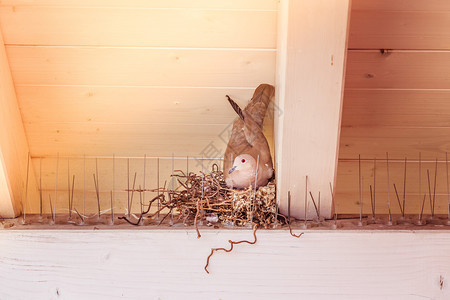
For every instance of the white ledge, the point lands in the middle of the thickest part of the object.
(169, 264)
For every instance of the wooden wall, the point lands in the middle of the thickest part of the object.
(397, 101)
(17, 181)
(134, 78)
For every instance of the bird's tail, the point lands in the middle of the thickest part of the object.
(259, 103)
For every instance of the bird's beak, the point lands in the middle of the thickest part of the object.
(232, 169)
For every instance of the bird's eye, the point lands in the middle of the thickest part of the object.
(243, 161)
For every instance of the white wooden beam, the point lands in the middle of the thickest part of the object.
(310, 75)
(168, 264)
(13, 149)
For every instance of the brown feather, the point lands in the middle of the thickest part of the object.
(236, 107)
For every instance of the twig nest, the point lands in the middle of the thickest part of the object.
(218, 203)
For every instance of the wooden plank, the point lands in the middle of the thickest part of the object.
(80, 171)
(396, 108)
(154, 4)
(374, 142)
(398, 69)
(307, 145)
(347, 188)
(410, 5)
(137, 105)
(380, 29)
(140, 66)
(124, 139)
(401, 264)
(13, 149)
(138, 27)
(150, 107)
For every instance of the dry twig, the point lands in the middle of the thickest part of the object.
(231, 247)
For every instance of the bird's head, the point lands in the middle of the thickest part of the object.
(244, 163)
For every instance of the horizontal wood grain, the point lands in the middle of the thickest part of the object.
(122, 139)
(154, 4)
(63, 174)
(374, 142)
(137, 105)
(398, 69)
(347, 188)
(400, 264)
(410, 5)
(138, 27)
(396, 108)
(140, 66)
(383, 29)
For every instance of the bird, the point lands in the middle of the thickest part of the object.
(247, 160)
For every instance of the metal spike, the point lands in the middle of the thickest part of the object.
(26, 188)
(128, 186)
(374, 188)
(51, 210)
(84, 188)
(434, 190)
(334, 207)
(132, 192)
(40, 187)
(404, 191)
(113, 190)
(448, 191)
(388, 195)
(306, 200)
(68, 187)
(157, 183)
(429, 193)
(56, 188)
(420, 189)
(143, 191)
(318, 207)
(361, 203)
(289, 207)
(360, 189)
(97, 187)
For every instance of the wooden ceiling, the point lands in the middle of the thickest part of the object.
(134, 77)
(149, 77)
(397, 99)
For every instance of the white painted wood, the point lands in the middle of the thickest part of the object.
(310, 82)
(163, 264)
(13, 148)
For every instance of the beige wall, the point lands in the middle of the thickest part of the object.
(396, 102)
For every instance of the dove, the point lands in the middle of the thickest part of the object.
(247, 160)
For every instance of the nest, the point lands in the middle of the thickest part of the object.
(206, 197)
